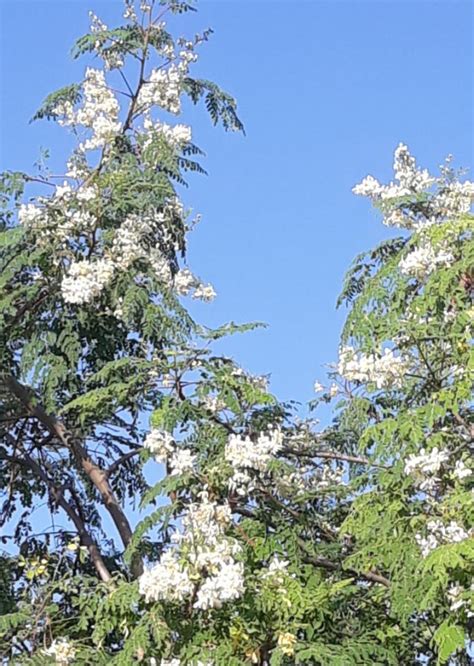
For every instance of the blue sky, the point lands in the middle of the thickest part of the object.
(326, 91)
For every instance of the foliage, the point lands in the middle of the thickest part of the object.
(261, 539)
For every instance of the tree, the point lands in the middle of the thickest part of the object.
(267, 540)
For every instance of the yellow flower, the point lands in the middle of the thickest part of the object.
(253, 656)
(286, 643)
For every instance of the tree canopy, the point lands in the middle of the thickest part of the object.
(262, 538)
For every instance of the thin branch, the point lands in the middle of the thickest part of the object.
(331, 455)
(126, 456)
(324, 563)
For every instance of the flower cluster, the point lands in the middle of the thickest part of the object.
(248, 457)
(425, 467)
(423, 260)
(286, 642)
(113, 59)
(440, 534)
(408, 201)
(458, 599)
(213, 403)
(164, 85)
(162, 445)
(461, 471)
(62, 651)
(385, 371)
(98, 113)
(175, 136)
(276, 575)
(202, 565)
(85, 280)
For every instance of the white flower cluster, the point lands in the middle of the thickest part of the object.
(112, 58)
(457, 596)
(162, 89)
(64, 213)
(306, 478)
(30, 215)
(129, 245)
(277, 570)
(259, 382)
(175, 136)
(99, 111)
(329, 476)
(185, 282)
(247, 457)
(181, 462)
(461, 471)
(86, 279)
(425, 467)
(440, 534)
(162, 445)
(213, 403)
(202, 565)
(423, 260)
(385, 371)
(408, 201)
(62, 651)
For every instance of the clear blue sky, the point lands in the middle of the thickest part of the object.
(326, 91)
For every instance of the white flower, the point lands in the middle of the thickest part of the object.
(318, 387)
(62, 651)
(369, 187)
(226, 585)
(181, 462)
(439, 534)
(425, 467)
(201, 563)
(167, 580)
(129, 12)
(184, 281)
(85, 280)
(204, 292)
(329, 476)
(160, 266)
(244, 455)
(29, 214)
(333, 390)
(410, 201)
(160, 443)
(163, 89)
(385, 371)
(98, 113)
(461, 471)
(277, 570)
(426, 463)
(213, 403)
(128, 241)
(423, 260)
(175, 135)
(454, 595)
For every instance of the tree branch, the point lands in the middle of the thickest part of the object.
(96, 475)
(57, 494)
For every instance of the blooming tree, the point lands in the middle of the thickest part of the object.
(261, 538)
